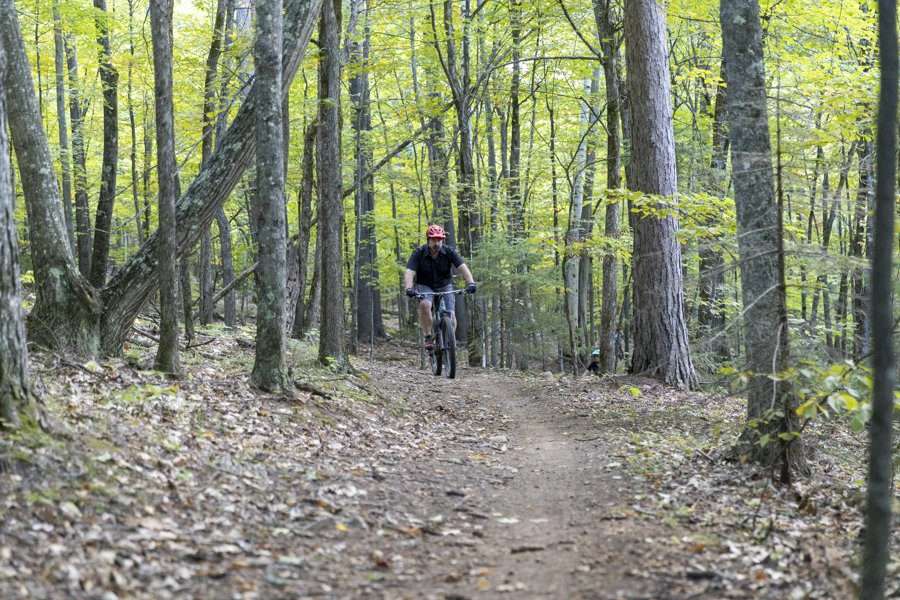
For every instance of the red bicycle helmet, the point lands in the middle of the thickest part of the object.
(435, 231)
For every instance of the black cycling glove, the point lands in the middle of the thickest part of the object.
(471, 288)
(411, 292)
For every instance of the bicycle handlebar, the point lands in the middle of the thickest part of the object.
(422, 295)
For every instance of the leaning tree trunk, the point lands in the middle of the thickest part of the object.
(759, 244)
(109, 78)
(328, 163)
(269, 367)
(15, 394)
(67, 308)
(660, 332)
(132, 285)
(167, 359)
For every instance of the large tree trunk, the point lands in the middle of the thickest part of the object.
(328, 163)
(268, 366)
(660, 333)
(610, 48)
(109, 78)
(76, 112)
(759, 244)
(127, 291)
(64, 159)
(167, 359)
(15, 394)
(66, 308)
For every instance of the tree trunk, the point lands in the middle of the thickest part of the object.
(860, 248)
(167, 359)
(269, 366)
(330, 207)
(608, 303)
(660, 333)
(206, 148)
(224, 227)
(109, 78)
(135, 196)
(770, 402)
(66, 308)
(304, 212)
(880, 487)
(76, 112)
(711, 311)
(15, 392)
(64, 159)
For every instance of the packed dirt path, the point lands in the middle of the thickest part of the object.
(551, 498)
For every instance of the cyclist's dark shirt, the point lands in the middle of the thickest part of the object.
(434, 272)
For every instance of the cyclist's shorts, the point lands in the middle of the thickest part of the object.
(449, 300)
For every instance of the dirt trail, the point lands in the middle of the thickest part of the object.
(552, 512)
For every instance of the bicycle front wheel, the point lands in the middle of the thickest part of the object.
(449, 348)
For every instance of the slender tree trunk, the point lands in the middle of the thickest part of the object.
(66, 307)
(59, 62)
(145, 172)
(610, 47)
(109, 78)
(859, 248)
(328, 163)
(224, 227)
(15, 389)
(76, 112)
(304, 212)
(133, 125)
(660, 333)
(759, 228)
(269, 367)
(880, 489)
(206, 148)
(167, 359)
(711, 311)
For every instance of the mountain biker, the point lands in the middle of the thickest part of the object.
(594, 366)
(432, 266)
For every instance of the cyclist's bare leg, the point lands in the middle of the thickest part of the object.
(425, 321)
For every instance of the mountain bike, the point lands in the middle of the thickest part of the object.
(443, 355)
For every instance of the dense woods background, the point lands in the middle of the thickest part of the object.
(689, 189)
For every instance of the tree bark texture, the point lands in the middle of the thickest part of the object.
(660, 332)
(109, 78)
(304, 212)
(769, 401)
(167, 359)
(328, 163)
(879, 494)
(268, 366)
(15, 391)
(66, 308)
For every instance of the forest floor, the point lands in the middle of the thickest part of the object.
(392, 483)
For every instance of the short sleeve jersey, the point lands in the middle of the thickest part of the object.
(435, 272)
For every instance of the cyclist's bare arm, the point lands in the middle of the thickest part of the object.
(466, 273)
(408, 278)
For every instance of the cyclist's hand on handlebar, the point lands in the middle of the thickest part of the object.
(411, 292)
(471, 288)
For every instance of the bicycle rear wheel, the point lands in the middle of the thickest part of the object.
(449, 348)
